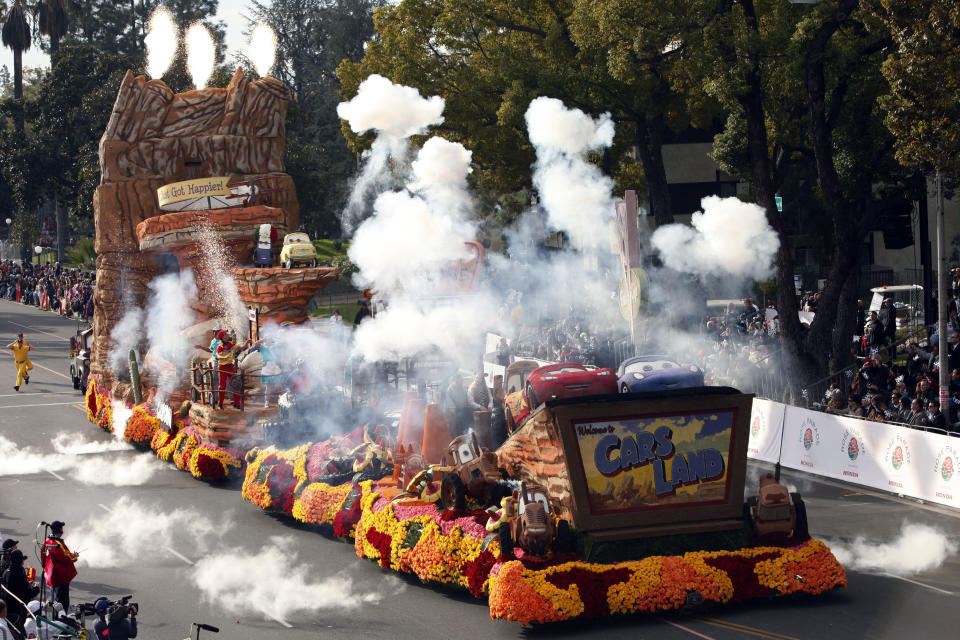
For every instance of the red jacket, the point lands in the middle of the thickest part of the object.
(58, 562)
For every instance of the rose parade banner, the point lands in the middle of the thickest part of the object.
(883, 456)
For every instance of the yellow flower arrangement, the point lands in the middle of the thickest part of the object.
(184, 451)
(212, 463)
(319, 503)
(91, 399)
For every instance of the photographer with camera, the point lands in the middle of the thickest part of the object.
(117, 625)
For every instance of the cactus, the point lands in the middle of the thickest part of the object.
(135, 377)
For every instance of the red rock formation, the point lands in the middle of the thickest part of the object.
(282, 294)
(151, 137)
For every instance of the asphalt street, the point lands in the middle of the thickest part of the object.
(922, 605)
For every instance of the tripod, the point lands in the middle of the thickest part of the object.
(205, 627)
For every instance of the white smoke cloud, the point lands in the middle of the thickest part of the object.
(201, 54)
(263, 48)
(916, 549)
(132, 533)
(575, 194)
(118, 471)
(120, 414)
(729, 237)
(168, 315)
(395, 113)
(406, 243)
(126, 335)
(76, 455)
(18, 461)
(277, 583)
(440, 175)
(392, 110)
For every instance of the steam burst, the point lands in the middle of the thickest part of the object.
(161, 42)
(275, 583)
(918, 548)
(263, 49)
(126, 335)
(576, 195)
(168, 314)
(395, 113)
(201, 54)
(729, 237)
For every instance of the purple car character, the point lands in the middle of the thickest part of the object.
(657, 373)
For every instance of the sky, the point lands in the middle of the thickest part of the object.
(227, 10)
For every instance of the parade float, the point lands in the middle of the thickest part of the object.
(595, 506)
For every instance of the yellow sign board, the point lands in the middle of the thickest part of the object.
(660, 461)
(175, 192)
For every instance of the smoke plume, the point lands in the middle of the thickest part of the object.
(916, 549)
(728, 238)
(126, 335)
(161, 42)
(132, 532)
(276, 583)
(21, 461)
(394, 112)
(117, 471)
(168, 314)
(576, 195)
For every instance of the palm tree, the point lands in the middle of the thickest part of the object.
(16, 36)
(54, 20)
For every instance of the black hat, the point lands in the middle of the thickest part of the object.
(10, 543)
(57, 526)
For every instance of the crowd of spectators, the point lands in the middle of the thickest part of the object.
(51, 287)
(571, 339)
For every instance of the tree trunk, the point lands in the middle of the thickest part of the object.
(18, 89)
(63, 229)
(649, 139)
(822, 339)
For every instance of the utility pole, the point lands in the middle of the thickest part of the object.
(944, 339)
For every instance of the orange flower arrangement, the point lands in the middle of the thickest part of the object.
(318, 503)
(141, 426)
(105, 419)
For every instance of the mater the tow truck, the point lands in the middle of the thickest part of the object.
(526, 522)
(80, 358)
(774, 511)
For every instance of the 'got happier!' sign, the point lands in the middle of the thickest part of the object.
(669, 460)
(170, 197)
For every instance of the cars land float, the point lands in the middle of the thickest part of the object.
(611, 504)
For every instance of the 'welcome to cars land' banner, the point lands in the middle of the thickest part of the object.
(883, 456)
(642, 462)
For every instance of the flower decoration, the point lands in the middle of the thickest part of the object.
(141, 427)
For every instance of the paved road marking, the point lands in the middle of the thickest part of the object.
(36, 364)
(45, 404)
(742, 628)
(34, 329)
(172, 551)
(38, 393)
(688, 630)
(55, 475)
(920, 584)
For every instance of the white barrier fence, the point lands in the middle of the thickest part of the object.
(883, 456)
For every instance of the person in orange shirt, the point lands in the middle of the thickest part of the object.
(21, 348)
(58, 565)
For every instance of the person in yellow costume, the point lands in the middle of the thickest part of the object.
(21, 348)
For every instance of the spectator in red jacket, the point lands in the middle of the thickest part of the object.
(58, 565)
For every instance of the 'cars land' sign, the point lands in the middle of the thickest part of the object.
(635, 463)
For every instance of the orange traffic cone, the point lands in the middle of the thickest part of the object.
(402, 430)
(436, 435)
(416, 422)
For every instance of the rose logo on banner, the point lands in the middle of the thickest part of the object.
(851, 445)
(756, 426)
(944, 468)
(853, 448)
(810, 438)
(897, 457)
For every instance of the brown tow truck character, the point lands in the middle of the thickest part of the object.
(473, 472)
(532, 528)
(775, 511)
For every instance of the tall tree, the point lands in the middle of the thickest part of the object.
(53, 18)
(16, 37)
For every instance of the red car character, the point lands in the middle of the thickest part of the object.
(560, 380)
